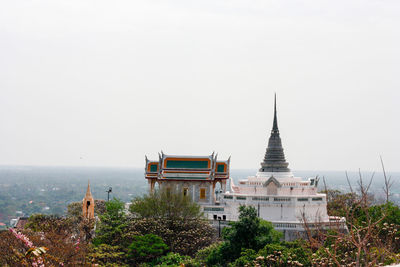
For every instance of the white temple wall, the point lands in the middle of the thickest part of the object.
(193, 189)
(280, 208)
(258, 190)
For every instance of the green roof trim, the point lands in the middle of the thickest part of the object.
(153, 168)
(187, 164)
(221, 168)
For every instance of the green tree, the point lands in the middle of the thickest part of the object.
(249, 232)
(146, 248)
(112, 224)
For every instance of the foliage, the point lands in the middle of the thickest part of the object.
(47, 223)
(276, 254)
(106, 255)
(249, 232)
(338, 202)
(293, 253)
(203, 254)
(372, 237)
(167, 205)
(112, 224)
(221, 255)
(184, 237)
(172, 259)
(14, 249)
(173, 217)
(247, 256)
(29, 248)
(147, 247)
(389, 212)
(74, 209)
(64, 239)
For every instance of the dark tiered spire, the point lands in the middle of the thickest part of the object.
(274, 160)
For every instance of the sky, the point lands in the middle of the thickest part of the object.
(104, 83)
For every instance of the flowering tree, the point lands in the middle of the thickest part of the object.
(173, 217)
(18, 249)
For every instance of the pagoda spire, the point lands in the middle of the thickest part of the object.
(275, 125)
(88, 193)
(88, 204)
(274, 159)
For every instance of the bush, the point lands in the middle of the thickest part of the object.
(171, 259)
(146, 248)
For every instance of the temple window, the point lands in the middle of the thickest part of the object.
(261, 198)
(185, 191)
(281, 199)
(202, 193)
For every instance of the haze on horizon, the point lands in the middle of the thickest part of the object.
(103, 83)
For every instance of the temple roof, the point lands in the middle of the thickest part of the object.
(274, 159)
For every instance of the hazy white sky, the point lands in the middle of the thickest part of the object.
(106, 82)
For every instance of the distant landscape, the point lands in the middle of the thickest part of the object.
(25, 190)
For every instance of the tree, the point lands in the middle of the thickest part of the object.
(173, 259)
(174, 217)
(166, 205)
(47, 239)
(338, 202)
(146, 248)
(112, 224)
(249, 232)
(106, 255)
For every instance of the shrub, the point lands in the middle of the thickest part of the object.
(146, 248)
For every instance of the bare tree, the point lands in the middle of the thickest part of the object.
(388, 182)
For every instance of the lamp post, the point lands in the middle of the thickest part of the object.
(219, 226)
(108, 193)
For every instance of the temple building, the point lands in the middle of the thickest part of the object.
(279, 197)
(194, 176)
(88, 204)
